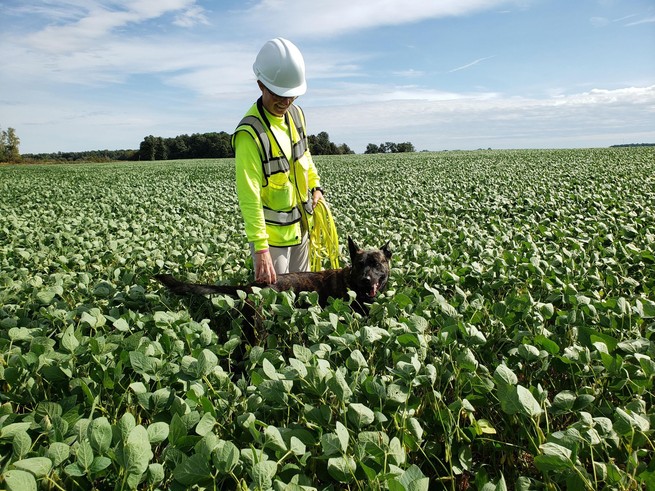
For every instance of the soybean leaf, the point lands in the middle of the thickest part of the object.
(39, 466)
(360, 415)
(192, 470)
(156, 473)
(58, 452)
(18, 480)
(137, 452)
(206, 424)
(158, 432)
(99, 433)
(342, 468)
(554, 457)
(226, 456)
(273, 439)
(262, 473)
(330, 444)
(84, 455)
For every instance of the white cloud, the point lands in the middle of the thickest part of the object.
(648, 20)
(86, 22)
(469, 65)
(331, 17)
(191, 17)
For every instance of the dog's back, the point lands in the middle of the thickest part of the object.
(367, 276)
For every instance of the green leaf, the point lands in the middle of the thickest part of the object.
(273, 439)
(626, 422)
(302, 353)
(121, 325)
(18, 480)
(409, 340)
(262, 473)
(84, 455)
(563, 401)
(331, 444)
(226, 456)
(47, 296)
(414, 428)
(192, 470)
(177, 430)
(74, 470)
(58, 452)
(554, 457)
(339, 386)
(125, 425)
(158, 432)
(356, 360)
(360, 415)
(21, 443)
(646, 308)
(503, 375)
(68, 339)
(297, 446)
(412, 479)
(39, 466)
(342, 468)
(8, 432)
(207, 361)
(99, 464)
(99, 433)
(136, 451)
(206, 424)
(518, 399)
(156, 473)
(342, 434)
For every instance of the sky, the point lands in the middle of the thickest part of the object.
(79, 75)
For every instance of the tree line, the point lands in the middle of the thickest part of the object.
(390, 147)
(195, 146)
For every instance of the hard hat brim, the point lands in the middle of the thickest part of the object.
(285, 91)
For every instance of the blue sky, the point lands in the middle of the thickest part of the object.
(443, 74)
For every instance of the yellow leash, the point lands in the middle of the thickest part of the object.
(323, 240)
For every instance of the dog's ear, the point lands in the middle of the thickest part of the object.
(352, 248)
(385, 249)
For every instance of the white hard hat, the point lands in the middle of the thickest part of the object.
(280, 67)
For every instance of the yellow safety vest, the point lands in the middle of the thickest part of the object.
(285, 190)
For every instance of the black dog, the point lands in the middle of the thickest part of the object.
(366, 276)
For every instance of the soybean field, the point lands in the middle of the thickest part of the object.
(514, 347)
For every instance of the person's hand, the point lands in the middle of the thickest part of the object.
(316, 197)
(264, 269)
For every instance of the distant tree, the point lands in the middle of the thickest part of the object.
(321, 145)
(161, 149)
(9, 146)
(372, 148)
(178, 148)
(405, 147)
(147, 148)
(344, 149)
(390, 147)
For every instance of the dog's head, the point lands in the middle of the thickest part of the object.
(369, 270)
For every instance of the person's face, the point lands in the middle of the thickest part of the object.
(274, 103)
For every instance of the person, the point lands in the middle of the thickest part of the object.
(277, 183)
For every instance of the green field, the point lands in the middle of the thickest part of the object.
(513, 349)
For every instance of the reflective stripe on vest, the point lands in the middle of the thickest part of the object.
(300, 147)
(282, 217)
(270, 165)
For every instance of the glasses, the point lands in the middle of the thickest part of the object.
(280, 98)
